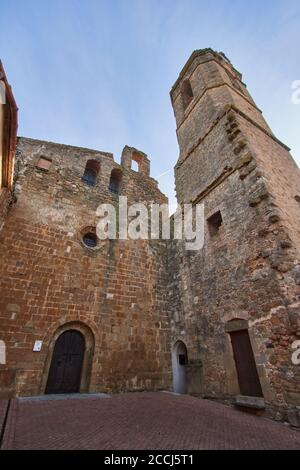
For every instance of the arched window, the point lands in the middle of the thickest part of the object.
(115, 181)
(186, 93)
(90, 173)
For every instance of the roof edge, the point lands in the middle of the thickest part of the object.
(198, 52)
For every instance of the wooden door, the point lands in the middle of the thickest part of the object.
(245, 364)
(65, 369)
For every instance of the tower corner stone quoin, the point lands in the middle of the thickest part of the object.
(217, 323)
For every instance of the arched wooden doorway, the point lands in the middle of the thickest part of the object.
(66, 364)
(179, 363)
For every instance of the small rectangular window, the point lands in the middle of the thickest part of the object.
(44, 163)
(214, 223)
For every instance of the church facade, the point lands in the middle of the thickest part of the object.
(82, 315)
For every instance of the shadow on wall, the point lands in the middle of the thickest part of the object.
(187, 375)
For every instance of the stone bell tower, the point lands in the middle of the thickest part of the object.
(238, 303)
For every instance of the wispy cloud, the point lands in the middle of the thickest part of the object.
(98, 73)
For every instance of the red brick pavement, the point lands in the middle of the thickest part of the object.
(140, 421)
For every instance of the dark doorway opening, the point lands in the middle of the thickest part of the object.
(179, 364)
(245, 364)
(66, 364)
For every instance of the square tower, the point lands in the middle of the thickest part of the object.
(237, 300)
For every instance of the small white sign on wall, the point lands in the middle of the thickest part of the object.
(37, 345)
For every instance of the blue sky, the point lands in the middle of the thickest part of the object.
(97, 73)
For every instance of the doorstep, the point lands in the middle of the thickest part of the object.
(244, 401)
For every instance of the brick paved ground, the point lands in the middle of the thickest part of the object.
(140, 421)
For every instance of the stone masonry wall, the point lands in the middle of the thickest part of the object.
(5, 198)
(114, 294)
(231, 162)
(134, 300)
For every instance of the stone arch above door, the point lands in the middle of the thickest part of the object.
(179, 363)
(89, 340)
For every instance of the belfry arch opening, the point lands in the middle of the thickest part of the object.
(179, 364)
(136, 161)
(135, 166)
(186, 93)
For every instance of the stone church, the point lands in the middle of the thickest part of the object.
(80, 315)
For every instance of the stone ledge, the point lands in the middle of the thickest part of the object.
(257, 403)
